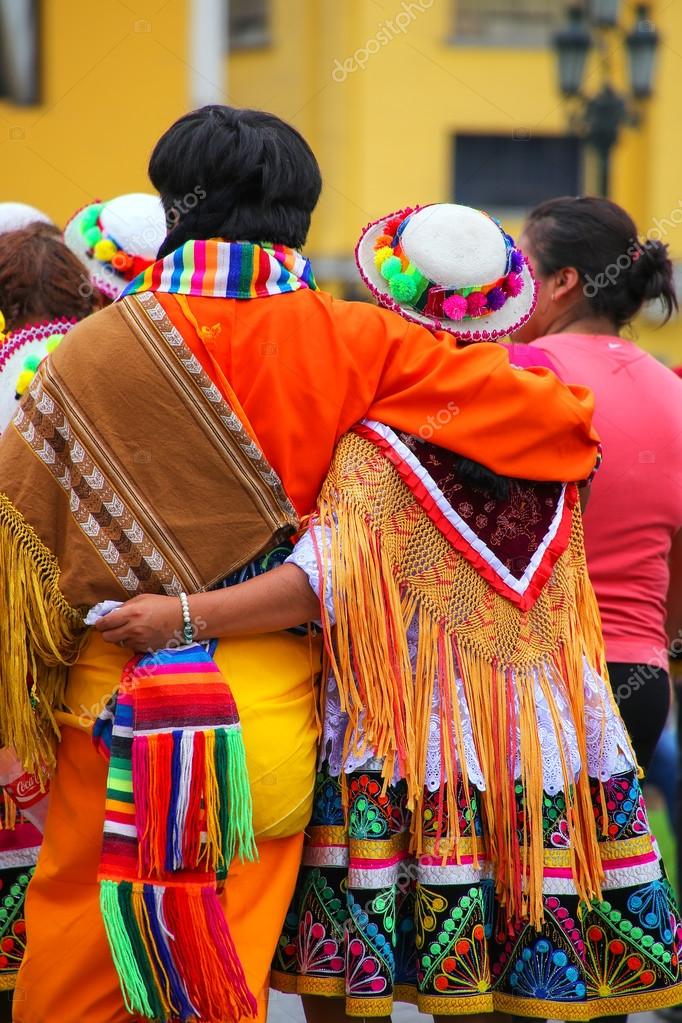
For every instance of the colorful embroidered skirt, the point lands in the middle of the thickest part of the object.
(19, 845)
(374, 924)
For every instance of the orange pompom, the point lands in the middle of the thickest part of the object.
(122, 261)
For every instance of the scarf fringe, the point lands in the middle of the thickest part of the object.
(174, 953)
(205, 771)
(40, 636)
(486, 641)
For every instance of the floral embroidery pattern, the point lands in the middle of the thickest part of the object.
(437, 928)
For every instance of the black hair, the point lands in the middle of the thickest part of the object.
(599, 239)
(242, 175)
(482, 479)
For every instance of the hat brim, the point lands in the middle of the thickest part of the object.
(492, 327)
(108, 281)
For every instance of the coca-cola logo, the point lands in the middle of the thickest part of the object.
(25, 790)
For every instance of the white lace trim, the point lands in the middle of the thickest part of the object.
(608, 747)
(305, 558)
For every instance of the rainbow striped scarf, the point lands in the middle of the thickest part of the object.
(178, 809)
(221, 269)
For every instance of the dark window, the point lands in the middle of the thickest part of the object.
(510, 23)
(249, 24)
(19, 51)
(503, 172)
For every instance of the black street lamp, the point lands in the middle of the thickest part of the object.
(642, 44)
(598, 119)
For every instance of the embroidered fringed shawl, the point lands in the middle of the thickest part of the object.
(397, 553)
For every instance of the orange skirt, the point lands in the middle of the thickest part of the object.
(67, 975)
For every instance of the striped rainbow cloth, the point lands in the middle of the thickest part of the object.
(221, 269)
(178, 808)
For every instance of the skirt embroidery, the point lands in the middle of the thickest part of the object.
(375, 924)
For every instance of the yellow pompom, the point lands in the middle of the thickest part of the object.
(381, 255)
(2, 323)
(24, 380)
(105, 250)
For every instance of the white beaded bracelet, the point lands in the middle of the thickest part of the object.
(187, 630)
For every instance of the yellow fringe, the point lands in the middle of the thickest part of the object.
(40, 636)
(211, 854)
(389, 563)
(9, 816)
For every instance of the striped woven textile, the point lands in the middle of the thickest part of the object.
(178, 809)
(226, 270)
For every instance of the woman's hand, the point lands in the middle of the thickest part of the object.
(147, 622)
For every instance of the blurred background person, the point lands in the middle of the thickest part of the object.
(594, 277)
(15, 215)
(664, 770)
(44, 291)
(119, 239)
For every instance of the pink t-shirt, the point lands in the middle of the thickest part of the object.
(635, 506)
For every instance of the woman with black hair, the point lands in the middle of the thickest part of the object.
(175, 454)
(595, 276)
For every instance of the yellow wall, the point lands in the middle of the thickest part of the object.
(383, 133)
(116, 74)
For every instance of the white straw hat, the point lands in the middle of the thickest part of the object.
(117, 240)
(15, 215)
(448, 267)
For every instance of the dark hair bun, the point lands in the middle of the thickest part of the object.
(651, 275)
(599, 239)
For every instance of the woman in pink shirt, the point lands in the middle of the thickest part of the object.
(594, 276)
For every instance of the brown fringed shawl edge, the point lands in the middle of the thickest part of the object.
(390, 566)
(40, 636)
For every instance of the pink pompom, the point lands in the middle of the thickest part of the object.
(513, 284)
(455, 307)
(476, 303)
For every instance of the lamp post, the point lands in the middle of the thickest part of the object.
(599, 118)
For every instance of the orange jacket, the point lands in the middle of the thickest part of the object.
(305, 367)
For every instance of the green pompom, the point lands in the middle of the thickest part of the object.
(32, 362)
(403, 287)
(390, 267)
(465, 292)
(92, 236)
(52, 343)
(91, 215)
